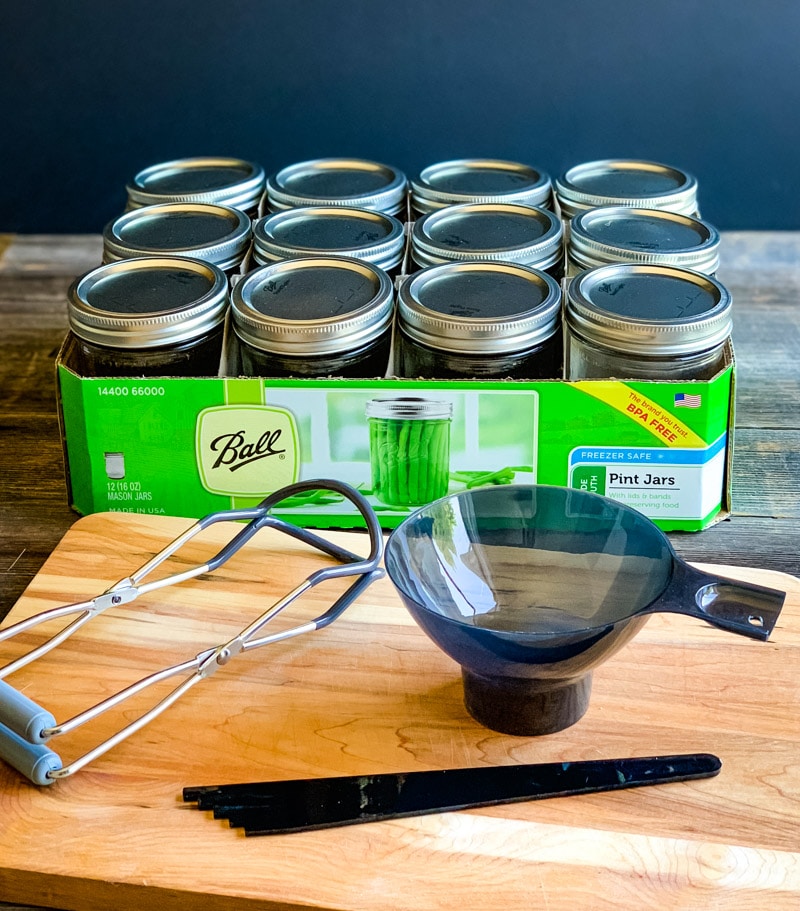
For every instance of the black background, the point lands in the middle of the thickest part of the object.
(93, 92)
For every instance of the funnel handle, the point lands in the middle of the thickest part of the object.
(34, 761)
(736, 607)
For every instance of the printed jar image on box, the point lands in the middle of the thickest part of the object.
(409, 445)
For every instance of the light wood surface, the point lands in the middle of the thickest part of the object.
(372, 694)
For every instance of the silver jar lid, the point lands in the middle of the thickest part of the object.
(409, 408)
(338, 182)
(147, 302)
(619, 182)
(374, 237)
(226, 181)
(649, 310)
(465, 180)
(216, 234)
(312, 305)
(612, 234)
(480, 307)
(499, 232)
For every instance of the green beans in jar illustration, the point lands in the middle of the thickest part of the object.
(409, 443)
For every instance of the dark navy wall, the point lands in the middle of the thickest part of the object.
(92, 92)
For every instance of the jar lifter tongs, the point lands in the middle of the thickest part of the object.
(25, 727)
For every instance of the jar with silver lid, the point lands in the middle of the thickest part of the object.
(620, 182)
(223, 181)
(469, 180)
(479, 320)
(314, 316)
(215, 234)
(149, 316)
(373, 237)
(627, 321)
(618, 234)
(496, 232)
(351, 182)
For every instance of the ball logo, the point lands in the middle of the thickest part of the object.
(246, 450)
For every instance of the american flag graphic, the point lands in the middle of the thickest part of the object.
(687, 400)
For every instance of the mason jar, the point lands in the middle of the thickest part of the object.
(215, 234)
(149, 316)
(373, 237)
(620, 182)
(479, 320)
(471, 180)
(497, 232)
(351, 182)
(314, 317)
(409, 445)
(222, 181)
(620, 234)
(626, 321)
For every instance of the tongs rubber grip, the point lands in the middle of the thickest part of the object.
(22, 715)
(33, 760)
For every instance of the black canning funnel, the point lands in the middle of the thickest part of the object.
(529, 588)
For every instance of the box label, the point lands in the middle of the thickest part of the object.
(671, 484)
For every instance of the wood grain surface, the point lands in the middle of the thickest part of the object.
(372, 694)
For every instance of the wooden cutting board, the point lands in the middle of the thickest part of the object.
(372, 694)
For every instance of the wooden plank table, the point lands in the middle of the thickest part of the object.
(763, 272)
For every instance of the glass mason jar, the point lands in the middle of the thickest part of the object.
(645, 322)
(314, 317)
(150, 316)
(222, 181)
(619, 234)
(613, 182)
(349, 182)
(215, 234)
(409, 445)
(373, 237)
(479, 320)
(470, 180)
(497, 232)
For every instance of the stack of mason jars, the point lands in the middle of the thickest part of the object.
(477, 268)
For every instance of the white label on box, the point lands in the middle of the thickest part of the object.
(661, 483)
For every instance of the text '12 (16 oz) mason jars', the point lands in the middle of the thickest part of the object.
(314, 317)
(148, 316)
(620, 182)
(351, 182)
(645, 322)
(479, 320)
(409, 445)
(494, 232)
(373, 237)
(622, 234)
(222, 181)
(472, 180)
(212, 233)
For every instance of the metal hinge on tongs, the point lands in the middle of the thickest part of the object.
(26, 727)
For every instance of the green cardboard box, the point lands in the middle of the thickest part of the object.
(188, 447)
